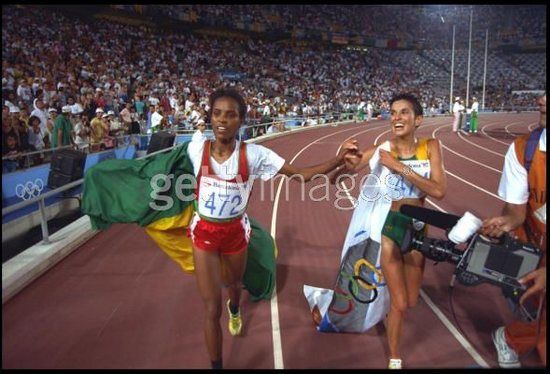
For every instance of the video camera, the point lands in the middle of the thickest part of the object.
(483, 260)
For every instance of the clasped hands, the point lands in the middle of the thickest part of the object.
(352, 157)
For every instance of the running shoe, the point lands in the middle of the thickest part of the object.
(235, 321)
(507, 357)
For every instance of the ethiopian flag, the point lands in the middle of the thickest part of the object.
(120, 191)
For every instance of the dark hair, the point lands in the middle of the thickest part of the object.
(228, 92)
(32, 118)
(417, 108)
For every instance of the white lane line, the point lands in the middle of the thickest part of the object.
(461, 155)
(458, 336)
(506, 128)
(275, 324)
(490, 137)
(471, 184)
(478, 146)
(448, 324)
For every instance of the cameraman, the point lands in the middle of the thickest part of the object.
(523, 188)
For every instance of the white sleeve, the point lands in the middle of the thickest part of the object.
(265, 163)
(194, 151)
(198, 136)
(513, 187)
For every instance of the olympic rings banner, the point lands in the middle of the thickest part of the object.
(30, 189)
(360, 298)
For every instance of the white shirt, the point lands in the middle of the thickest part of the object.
(155, 119)
(188, 105)
(43, 117)
(198, 136)
(77, 129)
(457, 107)
(194, 117)
(154, 101)
(36, 139)
(76, 108)
(262, 161)
(514, 187)
(272, 130)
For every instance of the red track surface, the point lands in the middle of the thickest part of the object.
(120, 302)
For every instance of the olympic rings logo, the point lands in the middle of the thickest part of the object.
(30, 189)
(373, 279)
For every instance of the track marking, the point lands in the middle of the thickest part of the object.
(494, 139)
(514, 124)
(460, 154)
(478, 146)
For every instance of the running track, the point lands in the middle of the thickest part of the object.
(120, 302)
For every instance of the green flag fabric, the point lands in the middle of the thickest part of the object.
(121, 191)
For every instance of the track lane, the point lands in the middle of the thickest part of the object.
(83, 313)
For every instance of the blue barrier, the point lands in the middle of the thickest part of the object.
(18, 186)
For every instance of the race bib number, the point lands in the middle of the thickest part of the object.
(222, 199)
(406, 189)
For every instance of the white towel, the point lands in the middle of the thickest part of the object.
(373, 205)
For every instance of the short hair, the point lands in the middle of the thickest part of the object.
(32, 118)
(417, 108)
(228, 92)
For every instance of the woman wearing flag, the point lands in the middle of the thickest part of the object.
(225, 247)
(409, 169)
(220, 229)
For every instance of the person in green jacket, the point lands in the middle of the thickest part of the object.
(62, 133)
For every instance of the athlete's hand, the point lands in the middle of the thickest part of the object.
(388, 161)
(352, 161)
(349, 147)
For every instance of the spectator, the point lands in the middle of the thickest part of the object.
(458, 108)
(10, 147)
(98, 129)
(522, 183)
(62, 134)
(83, 132)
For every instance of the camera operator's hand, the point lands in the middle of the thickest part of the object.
(512, 217)
(495, 227)
(539, 283)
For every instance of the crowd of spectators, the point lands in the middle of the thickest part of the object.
(428, 23)
(107, 79)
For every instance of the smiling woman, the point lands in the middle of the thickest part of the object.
(220, 229)
(414, 170)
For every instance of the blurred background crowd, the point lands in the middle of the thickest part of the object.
(83, 75)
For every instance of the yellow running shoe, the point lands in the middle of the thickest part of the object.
(235, 321)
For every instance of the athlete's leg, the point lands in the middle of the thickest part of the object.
(234, 266)
(392, 268)
(208, 275)
(414, 270)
